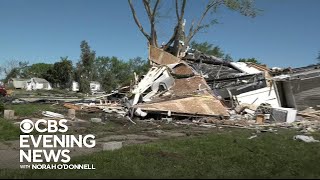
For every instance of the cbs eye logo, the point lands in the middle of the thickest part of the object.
(26, 126)
(51, 126)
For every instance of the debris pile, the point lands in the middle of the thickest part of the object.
(210, 91)
(174, 88)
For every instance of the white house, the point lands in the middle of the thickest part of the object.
(95, 86)
(75, 86)
(38, 83)
(18, 83)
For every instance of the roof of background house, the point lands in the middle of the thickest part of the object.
(19, 79)
(307, 68)
(40, 80)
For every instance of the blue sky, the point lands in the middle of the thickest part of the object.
(286, 34)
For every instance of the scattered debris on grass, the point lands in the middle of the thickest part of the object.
(202, 90)
(307, 139)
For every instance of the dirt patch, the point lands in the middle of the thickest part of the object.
(4, 146)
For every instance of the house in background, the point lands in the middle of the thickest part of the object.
(95, 86)
(75, 86)
(38, 83)
(18, 83)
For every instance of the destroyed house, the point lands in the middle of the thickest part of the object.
(299, 89)
(173, 87)
(201, 87)
(225, 78)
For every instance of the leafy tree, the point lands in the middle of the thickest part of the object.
(85, 68)
(109, 81)
(60, 74)
(210, 49)
(114, 73)
(228, 57)
(38, 70)
(52, 76)
(139, 66)
(105, 74)
(152, 8)
(207, 48)
(121, 71)
(253, 60)
(64, 70)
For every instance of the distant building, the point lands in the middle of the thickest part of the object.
(38, 83)
(75, 86)
(95, 86)
(18, 83)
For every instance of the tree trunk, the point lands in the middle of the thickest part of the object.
(180, 36)
(153, 38)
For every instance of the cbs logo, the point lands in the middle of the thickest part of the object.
(27, 126)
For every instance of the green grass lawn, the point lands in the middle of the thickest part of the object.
(8, 131)
(41, 92)
(225, 154)
(29, 109)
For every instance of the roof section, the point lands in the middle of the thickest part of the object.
(19, 79)
(161, 57)
(40, 80)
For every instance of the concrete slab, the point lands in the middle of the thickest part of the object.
(113, 145)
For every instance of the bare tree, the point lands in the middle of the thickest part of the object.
(179, 39)
(12, 65)
(151, 12)
(9, 65)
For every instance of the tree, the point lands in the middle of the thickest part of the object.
(207, 48)
(114, 72)
(14, 69)
(252, 60)
(52, 76)
(38, 70)
(108, 72)
(228, 57)
(60, 74)
(179, 39)
(85, 68)
(14, 73)
(139, 66)
(318, 57)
